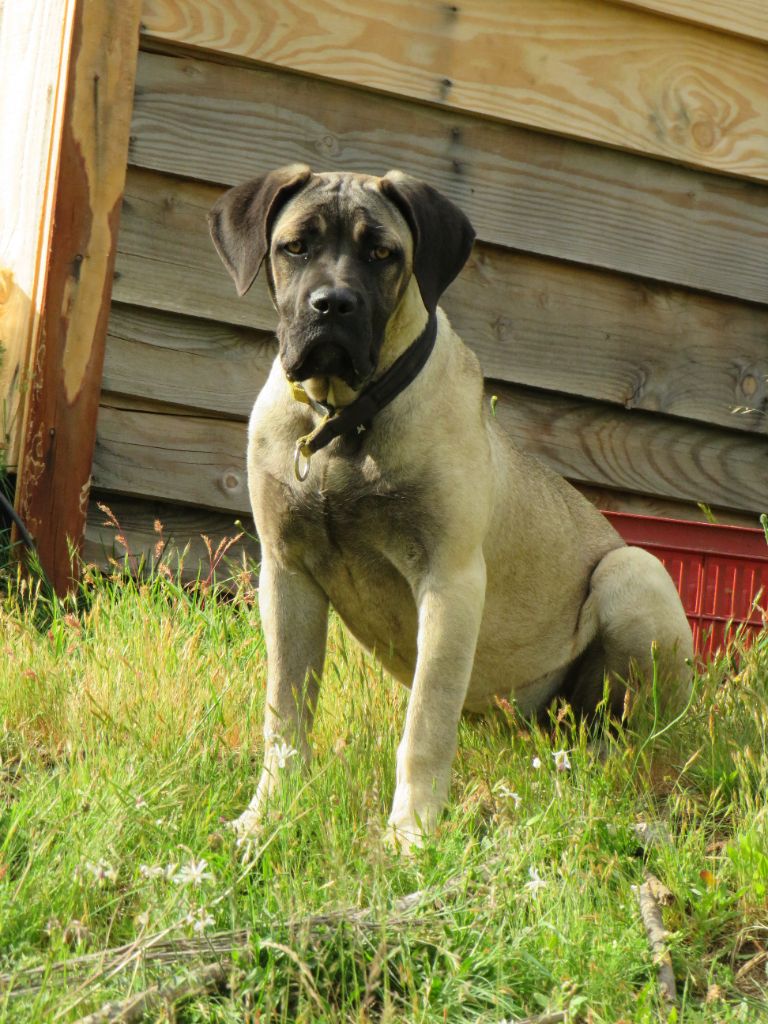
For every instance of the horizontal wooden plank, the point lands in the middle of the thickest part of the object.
(592, 443)
(178, 543)
(201, 461)
(188, 362)
(532, 321)
(741, 17)
(583, 68)
(526, 190)
(643, 505)
(195, 460)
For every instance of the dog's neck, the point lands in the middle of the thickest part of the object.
(403, 327)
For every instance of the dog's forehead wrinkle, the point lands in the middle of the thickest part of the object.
(303, 221)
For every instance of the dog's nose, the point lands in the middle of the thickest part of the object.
(333, 302)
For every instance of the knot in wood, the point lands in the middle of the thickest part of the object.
(230, 481)
(748, 384)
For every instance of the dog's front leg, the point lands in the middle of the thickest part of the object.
(294, 616)
(450, 608)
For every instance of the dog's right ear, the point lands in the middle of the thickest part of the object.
(241, 220)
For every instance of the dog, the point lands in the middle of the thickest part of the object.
(381, 484)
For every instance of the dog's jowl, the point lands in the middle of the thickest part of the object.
(381, 484)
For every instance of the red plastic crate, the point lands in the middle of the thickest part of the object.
(721, 572)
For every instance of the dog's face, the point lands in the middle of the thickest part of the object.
(340, 258)
(341, 249)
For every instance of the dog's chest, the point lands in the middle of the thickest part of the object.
(352, 523)
(367, 543)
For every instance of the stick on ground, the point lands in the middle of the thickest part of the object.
(206, 979)
(650, 912)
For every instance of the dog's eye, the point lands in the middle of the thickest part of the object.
(295, 248)
(381, 252)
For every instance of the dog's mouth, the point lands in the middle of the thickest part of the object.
(330, 360)
(328, 357)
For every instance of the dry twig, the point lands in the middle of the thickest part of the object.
(210, 978)
(650, 912)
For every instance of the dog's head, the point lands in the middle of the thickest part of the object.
(340, 249)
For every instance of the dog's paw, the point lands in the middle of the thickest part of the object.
(248, 827)
(403, 839)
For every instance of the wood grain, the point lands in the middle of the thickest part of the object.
(160, 454)
(34, 50)
(643, 505)
(183, 529)
(741, 17)
(522, 189)
(181, 537)
(58, 440)
(588, 69)
(540, 323)
(591, 443)
(199, 364)
(190, 459)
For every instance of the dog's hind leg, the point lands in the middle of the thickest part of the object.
(638, 610)
(294, 616)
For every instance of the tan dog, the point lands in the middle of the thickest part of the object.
(468, 567)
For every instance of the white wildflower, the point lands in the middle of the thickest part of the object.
(194, 873)
(140, 803)
(507, 794)
(283, 751)
(536, 882)
(101, 871)
(536, 762)
(167, 873)
(199, 920)
(562, 761)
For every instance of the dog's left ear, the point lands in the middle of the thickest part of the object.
(241, 220)
(442, 234)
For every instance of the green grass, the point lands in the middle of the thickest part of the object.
(130, 734)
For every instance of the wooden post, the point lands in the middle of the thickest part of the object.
(68, 353)
(35, 41)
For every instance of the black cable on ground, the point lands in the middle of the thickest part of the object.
(14, 516)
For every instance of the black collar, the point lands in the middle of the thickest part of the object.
(358, 415)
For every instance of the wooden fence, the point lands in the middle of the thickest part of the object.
(613, 158)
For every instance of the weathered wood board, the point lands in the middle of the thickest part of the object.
(610, 500)
(741, 17)
(191, 459)
(201, 460)
(612, 74)
(540, 323)
(199, 364)
(183, 529)
(55, 460)
(521, 189)
(178, 543)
